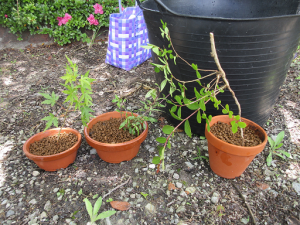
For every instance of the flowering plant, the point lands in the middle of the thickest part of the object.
(45, 17)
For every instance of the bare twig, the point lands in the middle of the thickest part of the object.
(116, 188)
(170, 203)
(223, 75)
(248, 207)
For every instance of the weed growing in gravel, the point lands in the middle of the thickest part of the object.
(78, 90)
(199, 156)
(203, 94)
(93, 212)
(275, 144)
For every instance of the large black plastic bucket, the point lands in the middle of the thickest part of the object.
(255, 42)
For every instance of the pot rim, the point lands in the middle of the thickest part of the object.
(235, 149)
(55, 156)
(87, 136)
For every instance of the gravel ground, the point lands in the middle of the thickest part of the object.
(187, 192)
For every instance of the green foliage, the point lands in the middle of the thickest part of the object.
(135, 124)
(177, 90)
(109, 200)
(78, 90)
(40, 17)
(275, 144)
(144, 195)
(93, 212)
(199, 156)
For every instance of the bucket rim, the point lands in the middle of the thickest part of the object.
(170, 11)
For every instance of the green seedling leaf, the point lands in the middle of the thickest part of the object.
(199, 119)
(202, 137)
(105, 214)
(242, 124)
(51, 100)
(156, 160)
(89, 207)
(95, 196)
(269, 159)
(51, 119)
(97, 205)
(279, 138)
(187, 128)
(176, 117)
(285, 153)
(178, 99)
(157, 70)
(80, 192)
(161, 140)
(144, 194)
(163, 84)
(167, 129)
(109, 200)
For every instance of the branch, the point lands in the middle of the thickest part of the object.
(116, 188)
(223, 75)
(248, 207)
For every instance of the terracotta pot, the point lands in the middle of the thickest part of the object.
(56, 161)
(114, 153)
(228, 160)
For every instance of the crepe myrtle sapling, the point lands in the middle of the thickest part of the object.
(202, 94)
(78, 90)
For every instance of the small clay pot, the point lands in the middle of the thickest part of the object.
(115, 153)
(228, 160)
(56, 161)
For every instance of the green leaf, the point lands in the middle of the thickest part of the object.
(269, 159)
(156, 160)
(279, 138)
(176, 117)
(190, 105)
(51, 119)
(163, 84)
(187, 128)
(279, 155)
(173, 109)
(179, 112)
(178, 99)
(242, 124)
(105, 214)
(278, 146)
(152, 93)
(167, 129)
(272, 143)
(285, 153)
(156, 50)
(89, 207)
(161, 140)
(198, 74)
(169, 144)
(234, 127)
(157, 70)
(199, 119)
(80, 192)
(50, 99)
(97, 205)
(202, 105)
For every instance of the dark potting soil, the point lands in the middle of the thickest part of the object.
(223, 131)
(108, 132)
(50, 145)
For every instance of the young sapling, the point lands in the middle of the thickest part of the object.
(78, 90)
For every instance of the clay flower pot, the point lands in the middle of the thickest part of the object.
(228, 160)
(56, 161)
(114, 153)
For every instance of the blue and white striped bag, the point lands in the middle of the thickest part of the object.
(127, 33)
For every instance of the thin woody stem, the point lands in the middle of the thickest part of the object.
(223, 75)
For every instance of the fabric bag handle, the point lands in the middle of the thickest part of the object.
(120, 5)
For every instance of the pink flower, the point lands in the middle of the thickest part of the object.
(98, 8)
(92, 20)
(60, 21)
(64, 20)
(6, 16)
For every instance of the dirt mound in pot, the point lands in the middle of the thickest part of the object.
(108, 132)
(50, 145)
(223, 132)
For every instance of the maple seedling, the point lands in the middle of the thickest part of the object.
(78, 90)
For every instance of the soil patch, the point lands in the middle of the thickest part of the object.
(109, 132)
(50, 145)
(223, 131)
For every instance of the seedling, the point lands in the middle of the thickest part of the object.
(199, 155)
(144, 194)
(61, 192)
(93, 212)
(78, 90)
(80, 192)
(109, 200)
(73, 215)
(95, 196)
(275, 144)
(220, 210)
